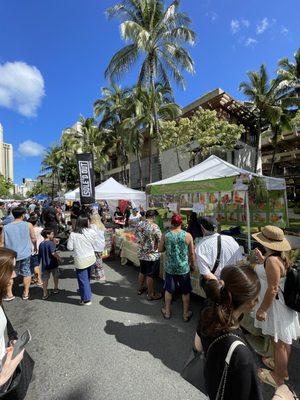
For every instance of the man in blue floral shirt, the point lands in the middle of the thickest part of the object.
(148, 235)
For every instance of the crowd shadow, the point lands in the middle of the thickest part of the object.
(163, 341)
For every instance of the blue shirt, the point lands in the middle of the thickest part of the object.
(17, 238)
(46, 257)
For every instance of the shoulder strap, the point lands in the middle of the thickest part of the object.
(217, 262)
(231, 350)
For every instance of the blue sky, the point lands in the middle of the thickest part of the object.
(53, 54)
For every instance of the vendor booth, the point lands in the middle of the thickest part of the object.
(71, 195)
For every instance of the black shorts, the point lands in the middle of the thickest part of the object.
(150, 268)
(180, 282)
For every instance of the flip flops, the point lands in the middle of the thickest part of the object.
(155, 297)
(45, 297)
(9, 298)
(187, 317)
(141, 291)
(266, 377)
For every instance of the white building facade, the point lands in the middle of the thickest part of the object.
(6, 158)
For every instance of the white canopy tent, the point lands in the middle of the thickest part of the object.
(216, 168)
(71, 195)
(112, 191)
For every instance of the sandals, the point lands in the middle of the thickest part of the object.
(55, 291)
(25, 297)
(141, 291)
(164, 314)
(9, 298)
(155, 297)
(187, 317)
(265, 376)
(45, 297)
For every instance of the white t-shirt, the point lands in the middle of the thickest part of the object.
(134, 219)
(39, 238)
(207, 250)
(100, 245)
(83, 246)
(3, 323)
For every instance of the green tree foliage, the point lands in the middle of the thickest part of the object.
(40, 188)
(5, 187)
(200, 135)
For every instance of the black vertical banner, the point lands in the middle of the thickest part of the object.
(85, 164)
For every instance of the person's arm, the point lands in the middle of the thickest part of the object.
(54, 252)
(203, 266)
(198, 343)
(161, 246)
(10, 365)
(273, 273)
(190, 243)
(70, 243)
(33, 237)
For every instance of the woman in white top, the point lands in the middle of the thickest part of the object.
(83, 242)
(272, 315)
(97, 225)
(7, 265)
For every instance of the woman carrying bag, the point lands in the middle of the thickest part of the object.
(16, 373)
(229, 368)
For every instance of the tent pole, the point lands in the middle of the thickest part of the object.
(286, 208)
(248, 221)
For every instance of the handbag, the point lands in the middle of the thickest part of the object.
(193, 370)
(21, 379)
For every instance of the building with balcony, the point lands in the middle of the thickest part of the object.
(166, 164)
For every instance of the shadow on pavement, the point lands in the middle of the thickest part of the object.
(163, 341)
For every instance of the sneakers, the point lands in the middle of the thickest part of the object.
(85, 303)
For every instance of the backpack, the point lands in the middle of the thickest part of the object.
(291, 292)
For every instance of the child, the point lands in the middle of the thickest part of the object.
(34, 259)
(49, 261)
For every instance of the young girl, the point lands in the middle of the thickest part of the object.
(34, 259)
(97, 226)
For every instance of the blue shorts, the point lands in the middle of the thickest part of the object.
(180, 282)
(23, 267)
(34, 261)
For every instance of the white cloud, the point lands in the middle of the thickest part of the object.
(21, 87)
(263, 25)
(284, 30)
(235, 25)
(30, 149)
(250, 42)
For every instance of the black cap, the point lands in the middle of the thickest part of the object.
(209, 223)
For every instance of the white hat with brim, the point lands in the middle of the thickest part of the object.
(273, 238)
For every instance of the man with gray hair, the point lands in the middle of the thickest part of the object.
(214, 251)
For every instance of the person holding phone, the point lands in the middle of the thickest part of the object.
(8, 363)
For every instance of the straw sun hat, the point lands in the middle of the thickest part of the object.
(273, 238)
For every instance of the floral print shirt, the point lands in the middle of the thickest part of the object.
(148, 236)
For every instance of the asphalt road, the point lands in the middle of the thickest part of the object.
(120, 347)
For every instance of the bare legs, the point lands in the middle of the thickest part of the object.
(150, 286)
(26, 284)
(186, 305)
(281, 358)
(141, 282)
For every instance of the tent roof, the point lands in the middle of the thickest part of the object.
(215, 168)
(71, 195)
(113, 190)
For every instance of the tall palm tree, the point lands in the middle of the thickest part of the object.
(270, 105)
(157, 37)
(112, 111)
(290, 73)
(142, 120)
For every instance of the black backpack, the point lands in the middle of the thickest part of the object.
(291, 292)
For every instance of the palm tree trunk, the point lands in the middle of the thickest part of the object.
(274, 153)
(178, 160)
(138, 156)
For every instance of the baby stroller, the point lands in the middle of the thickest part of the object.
(63, 234)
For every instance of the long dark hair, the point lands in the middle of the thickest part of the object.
(82, 223)
(241, 284)
(7, 257)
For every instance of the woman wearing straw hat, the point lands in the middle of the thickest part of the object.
(272, 315)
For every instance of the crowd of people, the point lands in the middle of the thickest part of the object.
(232, 287)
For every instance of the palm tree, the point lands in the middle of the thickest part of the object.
(141, 120)
(112, 111)
(290, 73)
(157, 37)
(270, 104)
(52, 164)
